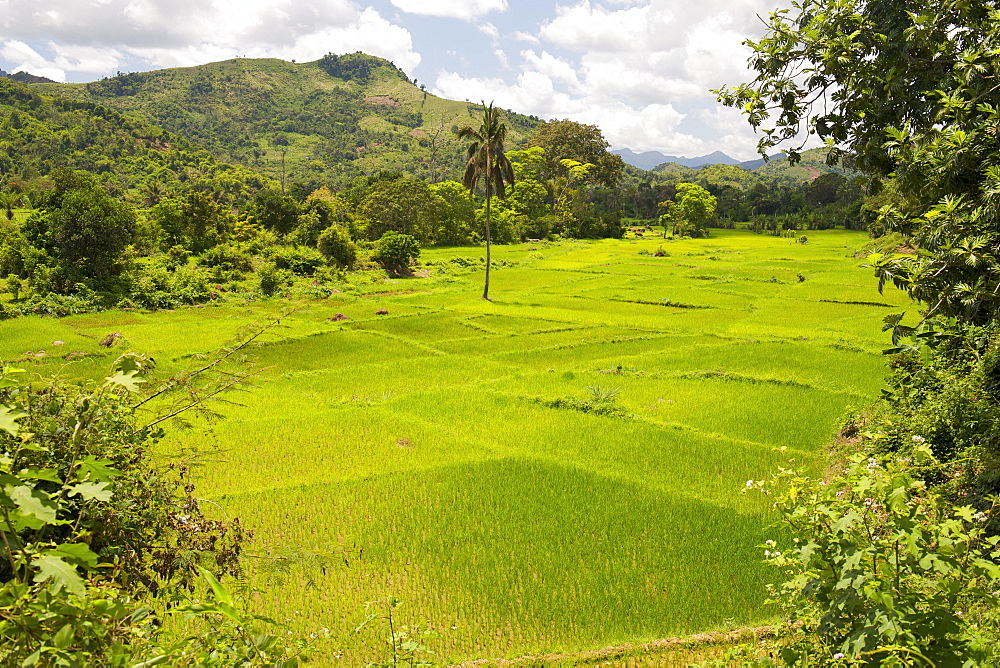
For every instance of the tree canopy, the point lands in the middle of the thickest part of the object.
(906, 91)
(583, 143)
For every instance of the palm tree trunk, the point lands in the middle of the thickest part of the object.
(486, 288)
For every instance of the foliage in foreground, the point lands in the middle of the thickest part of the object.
(883, 570)
(98, 546)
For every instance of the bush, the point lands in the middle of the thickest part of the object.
(271, 279)
(336, 246)
(227, 262)
(942, 392)
(883, 571)
(300, 260)
(96, 540)
(395, 251)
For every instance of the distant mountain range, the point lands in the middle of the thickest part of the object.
(651, 159)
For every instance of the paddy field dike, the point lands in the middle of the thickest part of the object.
(561, 468)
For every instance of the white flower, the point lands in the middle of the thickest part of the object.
(838, 655)
(919, 439)
(749, 484)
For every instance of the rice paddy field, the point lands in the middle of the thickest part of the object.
(425, 455)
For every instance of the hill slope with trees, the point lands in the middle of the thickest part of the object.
(326, 121)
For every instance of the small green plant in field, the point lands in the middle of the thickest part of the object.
(14, 285)
(600, 402)
(405, 642)
(601, 395)
(883, 571)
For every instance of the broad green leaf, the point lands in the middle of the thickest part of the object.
(846, 522)
(34, 503)
(127, 380)
(8, 420)
(97, 469)
(50, 475)
(77, 553)
(64, 637)
(33, 659)
(51, 567)
(92, 490)
(8, 382)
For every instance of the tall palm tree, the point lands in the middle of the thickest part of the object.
(487, 162)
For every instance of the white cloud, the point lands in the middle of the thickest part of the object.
(467, 10)
(27, 59)
(489, 29)
(551, 66)
(640, 69)
(98, 36)
(646, 128)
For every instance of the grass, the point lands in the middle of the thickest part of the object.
(417, 454)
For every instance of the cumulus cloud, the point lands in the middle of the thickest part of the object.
(641, 69)
(467, 10)
(534, 92)
(28, 60)
(99, 36)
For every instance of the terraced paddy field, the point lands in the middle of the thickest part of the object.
(443, 454)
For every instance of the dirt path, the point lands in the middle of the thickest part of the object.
(644, 654)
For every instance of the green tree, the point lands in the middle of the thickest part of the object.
(691, 210)
(8, 200)
(195, 221)
(336, 246)
(405, 205)
(907, 90)
(487, 162)
(395, 251)
(569, 140)
(275, 210)
(457, 215)
(84, 230)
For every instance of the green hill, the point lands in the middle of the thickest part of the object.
(40, 132)
(325, 121)
(812, 164)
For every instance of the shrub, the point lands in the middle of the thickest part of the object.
(883, 570)
(96, 540)
(395, 251)
(336, 246)
(227, 262)
(190, 285)
(300, 260)
(271, 279)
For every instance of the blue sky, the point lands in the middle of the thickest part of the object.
(639, 69)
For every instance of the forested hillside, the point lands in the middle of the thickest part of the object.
(133, 158)
(322, 122)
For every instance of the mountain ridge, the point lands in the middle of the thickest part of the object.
(324, 121)
(650, 160)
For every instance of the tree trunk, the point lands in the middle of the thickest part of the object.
(486, 288)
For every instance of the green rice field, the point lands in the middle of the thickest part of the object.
(423, 455)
